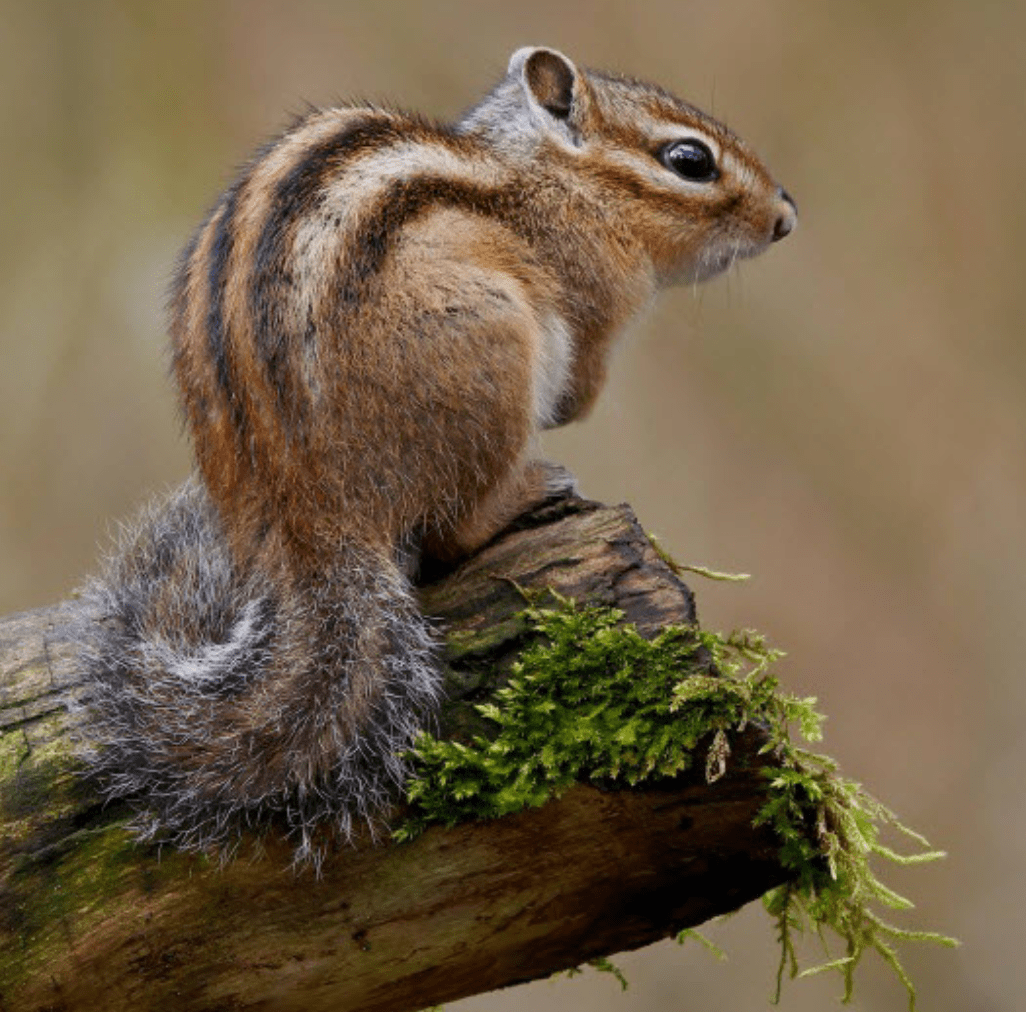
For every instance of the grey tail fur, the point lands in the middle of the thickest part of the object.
(217, 701)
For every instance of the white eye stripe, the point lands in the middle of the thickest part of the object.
(746, 177)
(664, 132)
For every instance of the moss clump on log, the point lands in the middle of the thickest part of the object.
(592, 700)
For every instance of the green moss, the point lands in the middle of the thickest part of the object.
(37, 786)
(63, 856)
(13, 752)
(64, 890)
(591, 699)
(461, 647)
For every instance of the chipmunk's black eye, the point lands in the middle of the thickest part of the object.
(690, 159)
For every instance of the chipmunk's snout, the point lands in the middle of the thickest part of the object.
(787, 218)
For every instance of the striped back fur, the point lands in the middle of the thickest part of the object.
(357, 327)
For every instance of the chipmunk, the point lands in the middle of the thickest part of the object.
(368, 332)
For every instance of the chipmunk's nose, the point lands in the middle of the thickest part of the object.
(787, 218)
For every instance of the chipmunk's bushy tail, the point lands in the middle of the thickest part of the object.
(218, 700)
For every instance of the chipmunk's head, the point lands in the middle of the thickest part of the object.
(692, 192)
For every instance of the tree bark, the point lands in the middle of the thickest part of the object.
(89, 919)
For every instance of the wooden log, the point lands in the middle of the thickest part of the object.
(91, 920)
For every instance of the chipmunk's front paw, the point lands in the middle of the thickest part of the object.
(552, 481)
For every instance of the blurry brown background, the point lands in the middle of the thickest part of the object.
(843, 418)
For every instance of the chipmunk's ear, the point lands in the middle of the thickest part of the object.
(553, 88)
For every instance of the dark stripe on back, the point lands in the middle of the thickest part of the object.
(217, 274)
(296, 195)
(404, 201)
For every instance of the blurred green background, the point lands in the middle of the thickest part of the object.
(843, 418)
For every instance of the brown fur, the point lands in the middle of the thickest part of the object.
(380, 384)
(372, 326)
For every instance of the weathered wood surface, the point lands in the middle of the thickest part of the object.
(90, 920)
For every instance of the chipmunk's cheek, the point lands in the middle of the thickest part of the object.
(748, 234)
(703, 261)
(734, 236)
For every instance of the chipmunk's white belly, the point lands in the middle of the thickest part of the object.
(551, 368)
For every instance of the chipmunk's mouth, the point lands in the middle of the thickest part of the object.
(722, 257)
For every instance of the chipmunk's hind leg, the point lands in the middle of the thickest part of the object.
(525, 488)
